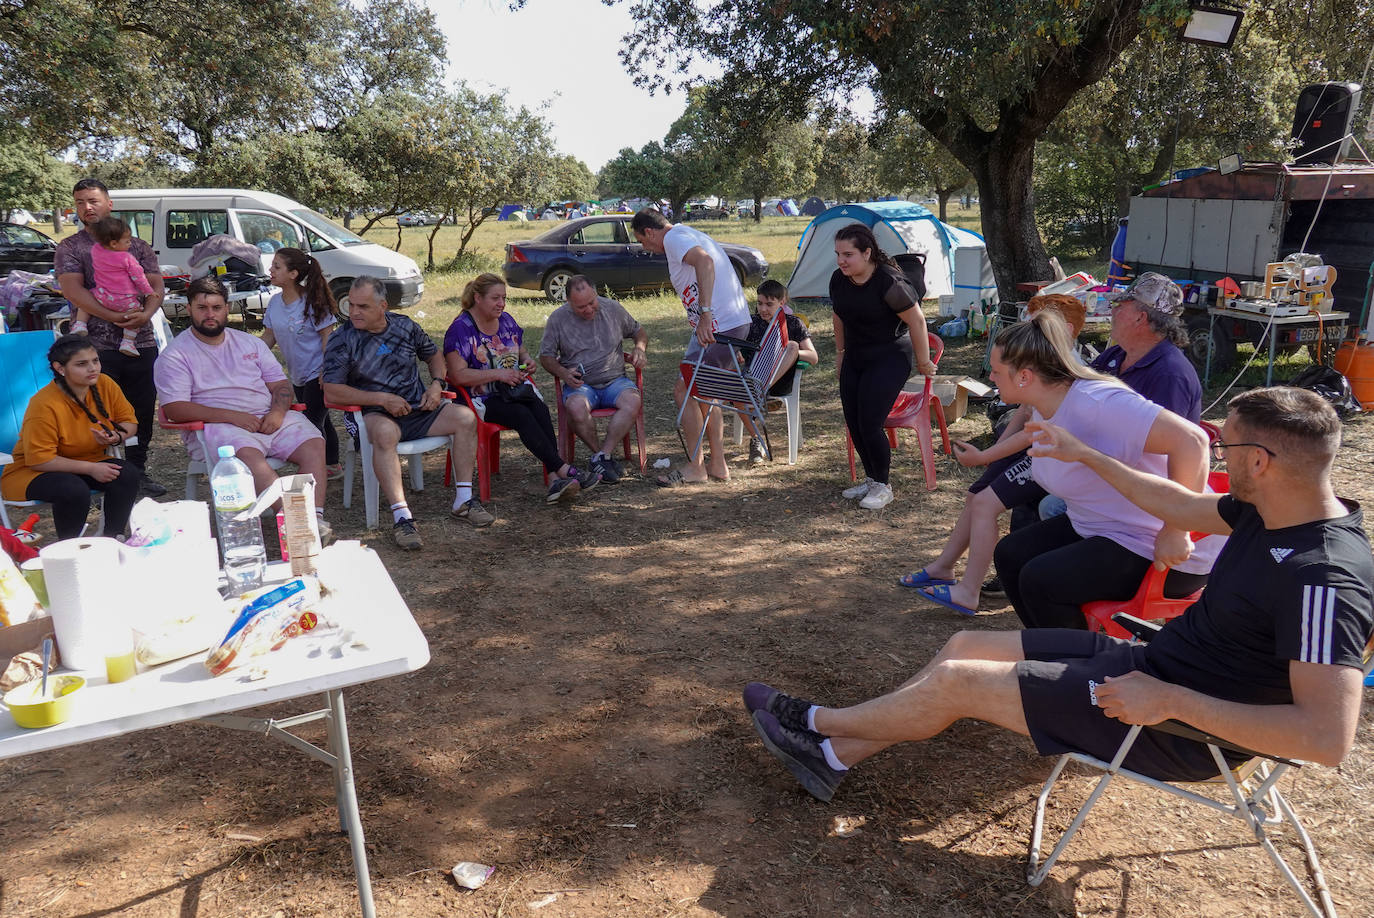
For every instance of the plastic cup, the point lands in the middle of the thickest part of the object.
(119, 660)
(32, 570)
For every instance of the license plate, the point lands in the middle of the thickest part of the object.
(1329, 332)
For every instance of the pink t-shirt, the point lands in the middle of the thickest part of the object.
(233, 374)
(1113, 419)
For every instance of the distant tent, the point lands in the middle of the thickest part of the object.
(958, 270)
(788, 208)
(510, 209)
(813, 207)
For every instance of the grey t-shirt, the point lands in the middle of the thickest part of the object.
(594, 343)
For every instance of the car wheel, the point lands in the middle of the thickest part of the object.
(556, 284)
(1223, 346)
(340, 290)
(739, 271)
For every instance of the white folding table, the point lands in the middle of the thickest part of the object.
(185, 691)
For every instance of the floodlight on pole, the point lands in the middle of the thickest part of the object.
(1211, 25)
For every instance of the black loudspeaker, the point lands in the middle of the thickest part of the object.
(1322, 121)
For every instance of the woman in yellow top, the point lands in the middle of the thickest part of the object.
(60, 457)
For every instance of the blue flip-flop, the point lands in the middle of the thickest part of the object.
(940, 596)
(922, 579)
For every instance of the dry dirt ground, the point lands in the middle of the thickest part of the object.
(579, 727)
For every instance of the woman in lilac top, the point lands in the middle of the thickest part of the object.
(485, 352)
(1103, 546)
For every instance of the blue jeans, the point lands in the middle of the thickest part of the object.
(600, 396)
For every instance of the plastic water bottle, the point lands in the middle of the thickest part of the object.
(240, 541)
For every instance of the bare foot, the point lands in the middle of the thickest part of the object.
(719, 471)
(966, 595)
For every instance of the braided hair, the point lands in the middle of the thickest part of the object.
(62, 351)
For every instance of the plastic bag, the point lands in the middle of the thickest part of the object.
(1330, 385)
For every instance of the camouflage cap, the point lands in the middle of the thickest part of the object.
(1153, 291)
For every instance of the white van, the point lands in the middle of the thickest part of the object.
(173, 220)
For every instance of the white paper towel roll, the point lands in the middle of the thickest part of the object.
(86, 590)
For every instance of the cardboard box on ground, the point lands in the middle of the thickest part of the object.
(953, 393)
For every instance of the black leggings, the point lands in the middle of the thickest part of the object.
(531, 421)
(312, 396)
(1049, 572)
(70, 496)
(870, 381)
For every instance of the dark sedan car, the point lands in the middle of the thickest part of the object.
(604, 249)
(24, 249)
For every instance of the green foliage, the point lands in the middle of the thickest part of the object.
(29, 177)
(183, 77)
(909, 159)
(847, 168)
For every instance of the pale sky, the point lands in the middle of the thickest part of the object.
(565, 53)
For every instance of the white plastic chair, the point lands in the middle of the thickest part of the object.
(791, 403)
(413, 450)
(200, 468)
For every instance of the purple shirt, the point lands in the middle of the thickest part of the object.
(1164, 375)
(482, 351)
(73, 256)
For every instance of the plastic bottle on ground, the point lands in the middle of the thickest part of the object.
(240, 541)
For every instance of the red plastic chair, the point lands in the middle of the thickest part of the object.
(197, 469)
(567, 443)
(913, 410)
(488, 452)
(1149, 602)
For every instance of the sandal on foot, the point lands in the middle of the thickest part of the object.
(674, 479)
(922, 579)
(940, 596)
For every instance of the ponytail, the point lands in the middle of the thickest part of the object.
(310, 282)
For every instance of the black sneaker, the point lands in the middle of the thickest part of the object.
(587, 480)
(994, 586)
(605, 466)
(150, 488)
(800, 751)
(562, 489)
(406, 536)
(756, 453)
(790, 712)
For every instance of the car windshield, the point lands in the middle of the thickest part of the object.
(327, 227)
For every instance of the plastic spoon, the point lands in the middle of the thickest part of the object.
(47, 659)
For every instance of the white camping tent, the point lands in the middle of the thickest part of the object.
(957, 267)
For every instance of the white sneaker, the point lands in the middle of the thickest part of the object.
(858, 490)
(879, 496)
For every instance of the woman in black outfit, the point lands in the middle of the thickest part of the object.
(880, 334)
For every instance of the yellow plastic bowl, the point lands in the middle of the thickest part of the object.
(33, 709)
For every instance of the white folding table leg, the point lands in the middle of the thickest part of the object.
(346, 796)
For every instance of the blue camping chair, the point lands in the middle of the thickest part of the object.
(24, 355)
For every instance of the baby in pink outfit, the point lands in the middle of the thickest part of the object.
(120, 284)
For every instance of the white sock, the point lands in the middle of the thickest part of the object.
(600, 455)
(830, 757)
(811, 718)
(319, 512)
(400, 511)
(462, 493)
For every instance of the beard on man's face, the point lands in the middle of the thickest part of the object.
(209, 331)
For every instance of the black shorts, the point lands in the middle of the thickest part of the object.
(1010, 479)
(414, 425)
(1058, 704)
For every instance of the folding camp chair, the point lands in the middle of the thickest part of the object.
(24, 355)
(791, 404)
(742, 388)
(1253, 786)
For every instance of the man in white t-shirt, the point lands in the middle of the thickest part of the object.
(229, 380)
(705, 280)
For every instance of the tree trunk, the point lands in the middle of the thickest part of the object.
(1003, 174)
(397, 246)
(429, 263)
(758, 208)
